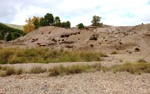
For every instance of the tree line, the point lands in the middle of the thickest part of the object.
(10, 33)
(47, 20)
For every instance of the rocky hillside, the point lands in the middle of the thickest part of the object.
(106, 38)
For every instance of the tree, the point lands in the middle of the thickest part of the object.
(57, 21)
(9, 37)
(30, 24)
(68, 24)
(49, 19)
(42, 22)
(96, 21)
(63, 24)
(80, 26)
(36, 24)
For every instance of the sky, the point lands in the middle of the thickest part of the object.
(112, 12)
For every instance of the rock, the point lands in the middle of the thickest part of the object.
(137, 49)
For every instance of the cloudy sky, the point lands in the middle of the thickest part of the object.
(113, 12)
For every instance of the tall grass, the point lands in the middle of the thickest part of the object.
(74, 69)
(12, 56)
(132, 68)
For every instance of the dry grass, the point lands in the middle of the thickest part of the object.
(7, 71)
(114, 52)
(132, 68)
(142, 61)
(37, 70)
(13, 56)
(75, 69)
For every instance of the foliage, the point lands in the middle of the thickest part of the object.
(68, 24)
(63, 24)
(15, 33)
(96, 21)
(80, 26)
(42, 22)
(57, 21)
(29, 27)
(9, 37)
(49, 19)
(36, 24)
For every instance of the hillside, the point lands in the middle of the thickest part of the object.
(8, 33)
(15, 26)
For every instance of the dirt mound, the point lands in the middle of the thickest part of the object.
(108, 38)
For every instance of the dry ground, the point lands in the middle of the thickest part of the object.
(124, 40)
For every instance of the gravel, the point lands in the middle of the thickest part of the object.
(84, 83)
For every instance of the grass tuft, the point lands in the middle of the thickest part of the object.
(74, 69)
(142, 61)
(114, 52)
(37, 70)
(133, 68)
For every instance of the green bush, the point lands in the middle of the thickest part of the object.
(80, 26)
(94, 37)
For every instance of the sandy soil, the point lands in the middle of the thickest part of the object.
(123, 39)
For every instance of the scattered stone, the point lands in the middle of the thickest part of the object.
(137, 49)
(91, 45)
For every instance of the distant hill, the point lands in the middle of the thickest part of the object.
(15, 26)
(9, 33)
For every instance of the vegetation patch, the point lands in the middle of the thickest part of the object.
(74, 69)
(7, 71)
(114, 52)
(37, 70)
(13, 56)
(132, 68)
(142, 61)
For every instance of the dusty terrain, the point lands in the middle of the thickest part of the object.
(131, 43)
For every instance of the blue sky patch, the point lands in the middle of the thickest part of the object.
(128, 15)
(68, 17)
(103, 18)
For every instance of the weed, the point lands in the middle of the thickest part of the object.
(133, 68)
(114, 52)
(37, 70)
(142, 61)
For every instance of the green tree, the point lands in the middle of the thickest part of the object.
(2, 34)
(68, 24)
(96, 21)
(57, 21)
(9, 37)
(42, 22)
(80, 26)
(63, 24)
(49, 19)
(36, 24)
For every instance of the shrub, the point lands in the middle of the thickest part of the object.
(9, 37)
(114, 52)
(80, 26)
(94, 37)
(142, 61)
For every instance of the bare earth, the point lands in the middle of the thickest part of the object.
(124, 40)
(85, 83)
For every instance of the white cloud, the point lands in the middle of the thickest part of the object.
(115, 12)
